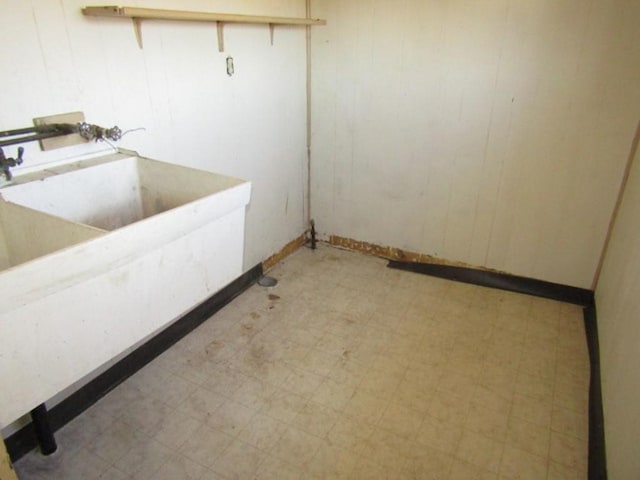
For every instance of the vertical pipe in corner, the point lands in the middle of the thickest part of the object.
(307, 199)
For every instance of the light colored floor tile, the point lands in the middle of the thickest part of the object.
(466, 471)
(116, 402)
(262, 432)
(532, 410)
(201, 404)
(401, 420)
(492, 397)
(296, 447)
(558, 471)
(83, 464)
(334, 394)
(302, 382)
(211, 475)
(315, 418)
(113, 474)
(205, 445)
(534, 387)
(146, 413)
(239, 460)
(387, 449)
(283, 405)
(538, 363)
(143, 459)
(569, 422)
(224, 381)
(179, 467)
(487, 421)
(348, 369)
(449, 408)
(366, 407)
(480, 451)
(83, 429)
(517, 464)
(274, 373)
(273, 468)
(571, 395)
(367, 469)
(528, 436)
(253, 393)
(318, 362)
(116, 441)
(61, 465)
(427, 464)
(231, 417)
(332, 462)
(439, 434)
(413, 395)
(380, 383)
(165, 386)
(455, 384)
(333, 344)
(174, 429)
(568, 450)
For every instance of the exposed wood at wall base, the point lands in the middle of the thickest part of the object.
(287, 250)
(6, 469)
(393, 253)
(597, 451)
(24, 440)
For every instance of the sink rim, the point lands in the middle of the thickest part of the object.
(76, 263)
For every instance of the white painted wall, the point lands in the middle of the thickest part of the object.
(250, 125)
(489, 132)
(618, 303)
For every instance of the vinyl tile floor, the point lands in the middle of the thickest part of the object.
(348, 370)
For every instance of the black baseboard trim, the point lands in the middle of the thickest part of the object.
(502, 281)
(24, 440)
(597, 452)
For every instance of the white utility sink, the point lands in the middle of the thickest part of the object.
(114, 191)
(98, 255)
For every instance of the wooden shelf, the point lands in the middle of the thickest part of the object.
(139, 14)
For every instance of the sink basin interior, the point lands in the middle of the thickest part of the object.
(26, 234)
(116, 193)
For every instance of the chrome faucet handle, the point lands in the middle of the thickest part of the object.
(7, 162)
(19, 159)
(90, 131)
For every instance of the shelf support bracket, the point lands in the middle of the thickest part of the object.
(220, 27)
(137, 28)
(271, 29)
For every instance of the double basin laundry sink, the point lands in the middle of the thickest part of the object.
(99, 254)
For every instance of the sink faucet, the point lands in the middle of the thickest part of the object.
(87, 131)
(7, 162)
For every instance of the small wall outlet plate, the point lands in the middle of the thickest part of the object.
(230, 69)
(66, 140)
